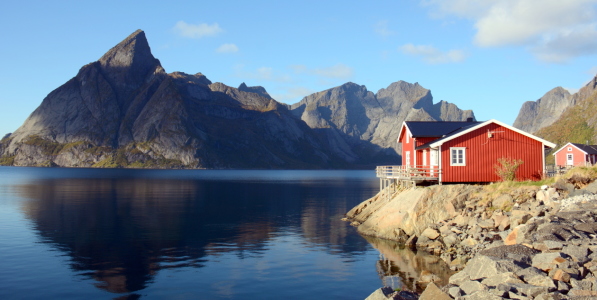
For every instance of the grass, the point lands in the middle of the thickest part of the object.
(7, 160)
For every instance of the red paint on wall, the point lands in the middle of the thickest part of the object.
(483, 151)
(578, 157)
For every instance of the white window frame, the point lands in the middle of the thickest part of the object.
(424, 158)
(407, 158)
(569, 148)
(456, 149)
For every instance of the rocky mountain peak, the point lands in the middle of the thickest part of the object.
(534, 115)
(133, 51)
(259, 90)
(128, 64)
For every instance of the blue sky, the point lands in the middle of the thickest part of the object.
(486, 55)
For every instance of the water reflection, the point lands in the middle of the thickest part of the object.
(403, 268)
(122, 231)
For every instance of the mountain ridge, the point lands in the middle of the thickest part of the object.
(124, 110)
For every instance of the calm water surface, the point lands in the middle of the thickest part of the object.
(192, 234)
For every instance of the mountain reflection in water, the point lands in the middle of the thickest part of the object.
(122, 231)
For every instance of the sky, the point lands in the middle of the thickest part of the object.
(486, 55)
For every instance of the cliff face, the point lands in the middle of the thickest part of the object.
(124, 110)
(356, 121)
(535, 115)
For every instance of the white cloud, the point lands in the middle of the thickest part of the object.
(339, 71)
(197, 31)
(433, 56)
(381, 28)
(293, 95)
(262, 73)
(553, 30)
(227, 48)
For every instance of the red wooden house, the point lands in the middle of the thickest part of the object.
(465, 152)
(576, 155)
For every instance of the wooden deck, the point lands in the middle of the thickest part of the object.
(392, 178)
(408, 173)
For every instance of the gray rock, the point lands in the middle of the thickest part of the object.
(578, 253)
(482, 266)
(470, 287)
(495, 280)
(548, 261)
(481, 295)
(553, 245)
(430, 233)
(518, 253)
(527, 290)
(383, 293)
(534, 115)
(432, 292)
(455, 292)
(592, 187)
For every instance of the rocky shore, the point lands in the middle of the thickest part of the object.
(505, 241)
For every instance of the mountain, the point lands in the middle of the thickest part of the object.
(124, 110)
(578, 123)
(534, 115)
(355, 121)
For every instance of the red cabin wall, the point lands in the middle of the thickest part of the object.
(419, 142)
(482, 154)
(408, 144)
(578, 157)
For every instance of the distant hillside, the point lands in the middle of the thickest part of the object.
(578, 123)
(124, 110)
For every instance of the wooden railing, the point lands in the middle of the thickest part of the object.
(409, 172)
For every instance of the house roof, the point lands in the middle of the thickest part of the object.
(435, 128)
(464, 130)
(587, 149)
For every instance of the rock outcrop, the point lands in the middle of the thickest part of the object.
(534, 115)
(508, 243)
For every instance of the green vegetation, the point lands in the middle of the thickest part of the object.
(7, 160)
(47, 147)
(507, 167)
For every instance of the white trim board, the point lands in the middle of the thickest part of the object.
(443, 140)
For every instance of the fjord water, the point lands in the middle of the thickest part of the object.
(188, 234)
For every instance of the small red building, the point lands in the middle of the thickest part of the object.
(465, 152)
(576, 155)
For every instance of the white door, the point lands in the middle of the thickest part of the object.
(569, 159)
(433, 160)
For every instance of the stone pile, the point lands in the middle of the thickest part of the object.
(543, 246)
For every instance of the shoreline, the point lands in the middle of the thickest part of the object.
(524, 242)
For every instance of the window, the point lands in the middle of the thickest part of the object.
(569, 148)
(407, 158)
(458, 156)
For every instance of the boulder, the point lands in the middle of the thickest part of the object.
(502, 201)
(383, 293)
(506, 277)
(432, 292)
(472, 286)
(430, 233)
(548, 261)
(482, 266)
